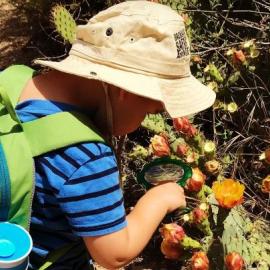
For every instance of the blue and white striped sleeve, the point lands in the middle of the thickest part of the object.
(91, 198)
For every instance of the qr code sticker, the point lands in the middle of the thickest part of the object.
(181, 44)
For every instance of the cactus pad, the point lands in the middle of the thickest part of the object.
(250, 239)
(64, 23)
(154, 123)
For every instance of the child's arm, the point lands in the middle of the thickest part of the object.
(117, 249)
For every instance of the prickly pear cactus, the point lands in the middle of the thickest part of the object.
(250, 239)
(64, 23)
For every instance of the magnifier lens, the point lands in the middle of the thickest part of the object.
(163, 170)
(163, 173)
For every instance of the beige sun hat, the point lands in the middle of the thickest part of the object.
(141, 47)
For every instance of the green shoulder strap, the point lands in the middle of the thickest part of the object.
(17, 166)
(58, 130)
(13, 79)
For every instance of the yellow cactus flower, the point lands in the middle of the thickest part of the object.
(228, 193)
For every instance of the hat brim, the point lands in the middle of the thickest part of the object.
(180, 96)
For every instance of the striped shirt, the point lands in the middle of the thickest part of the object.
(77, 191)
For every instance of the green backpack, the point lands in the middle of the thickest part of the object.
(21, 142)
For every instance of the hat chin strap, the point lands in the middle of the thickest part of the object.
(109, 112)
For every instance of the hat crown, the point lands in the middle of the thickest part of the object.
(141, 47)
(143, 29)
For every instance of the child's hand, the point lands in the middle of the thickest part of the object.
(117, 249)
(172, 195)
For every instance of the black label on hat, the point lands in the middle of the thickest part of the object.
(181, 44)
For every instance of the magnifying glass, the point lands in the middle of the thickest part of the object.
(163, 170)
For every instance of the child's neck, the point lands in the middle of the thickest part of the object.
(58, 86)
(62, 87)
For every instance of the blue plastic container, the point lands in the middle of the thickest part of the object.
(15, 246)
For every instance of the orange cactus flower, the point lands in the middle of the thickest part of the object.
(199, 261)
(172, 233)
(234, 261)
(195, 183)
(266, 184)
(228, 193)
(171, 251)
(160, 146)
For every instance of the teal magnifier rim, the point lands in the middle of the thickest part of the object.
(187, 171)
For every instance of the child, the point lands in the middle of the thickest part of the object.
(129, 60)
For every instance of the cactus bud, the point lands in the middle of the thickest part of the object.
(209, 149)
(265, 156)
(170, 251)
(183, 125)
(192, 157)
(213, 85)
(195, 183)
(203, 206)
(212, 167)
(182, 149)
(172, 233)
(234, 261)
(186, 217)
(232, 107)
(179, 147)
(160, 146)
(199, 218)
(192, 131)
(266, 184)
(198, 215)
(199, 261)
(239, 56)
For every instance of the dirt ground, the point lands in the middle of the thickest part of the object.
(23, 36)
(15, 35)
